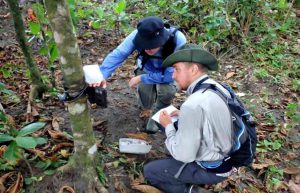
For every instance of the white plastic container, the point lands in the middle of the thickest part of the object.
(136, 146)
(92, 74)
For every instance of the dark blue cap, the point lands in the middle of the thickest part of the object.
(151, 33)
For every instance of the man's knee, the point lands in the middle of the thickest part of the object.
(148, 171)
(153, 172)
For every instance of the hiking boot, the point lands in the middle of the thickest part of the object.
(151, 127)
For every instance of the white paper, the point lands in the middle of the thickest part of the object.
(92, 74)
(93, 149)
(169, 110)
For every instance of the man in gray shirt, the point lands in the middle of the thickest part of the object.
(203, 134)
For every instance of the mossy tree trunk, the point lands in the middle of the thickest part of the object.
(38, 87)
(84, 159)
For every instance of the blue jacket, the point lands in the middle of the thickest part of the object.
(153, 67)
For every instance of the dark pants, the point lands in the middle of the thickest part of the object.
(160, 173)
(155, 97)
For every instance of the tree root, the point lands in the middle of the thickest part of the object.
(36, 91)
(83, 179)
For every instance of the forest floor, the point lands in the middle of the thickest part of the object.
(123, 118)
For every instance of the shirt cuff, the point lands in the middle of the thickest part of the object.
(144, 78)
(170, 129)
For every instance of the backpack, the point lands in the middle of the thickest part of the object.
(167, 49)
(243, 125)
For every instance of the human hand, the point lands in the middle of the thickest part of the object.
(174, 113)
(134, 81)
(164, 118)
(102, 84)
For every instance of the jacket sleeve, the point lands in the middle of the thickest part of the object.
(115, 58)
(180, 39)
(184, 143)
(158, 77)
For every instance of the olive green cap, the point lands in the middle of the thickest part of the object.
(192, 53)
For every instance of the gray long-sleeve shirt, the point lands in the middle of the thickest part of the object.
(204, 127)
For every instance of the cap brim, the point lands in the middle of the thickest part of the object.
(192, 55)
(151, 43)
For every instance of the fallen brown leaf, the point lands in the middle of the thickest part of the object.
(120, 186)
(232, 83)
(31, 15)
(221, 186)
(3, 179)
(138, 180)
(16, 187)
(296, 178)
(292, 170)
(146, 188)
(293, 187)
(139, 135)
(144, 114)
(38, 153)
(290, 156)
(55, 123)
(2, 149)
(60, 146)
(56, 134)
(66, 188)
(229, 75)
(266, 127)
(263, 165)
(296, 145)
(5, 16)
(34, 112)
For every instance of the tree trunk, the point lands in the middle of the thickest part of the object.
(84, 141)
(38, 87)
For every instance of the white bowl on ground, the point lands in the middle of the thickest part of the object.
(136, 146)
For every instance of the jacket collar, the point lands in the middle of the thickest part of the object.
(190, 89)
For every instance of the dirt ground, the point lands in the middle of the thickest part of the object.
(122, 116)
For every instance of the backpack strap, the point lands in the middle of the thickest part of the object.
(239, 135)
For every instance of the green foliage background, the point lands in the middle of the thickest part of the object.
(266, 30)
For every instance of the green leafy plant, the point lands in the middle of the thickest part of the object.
(136, 168)
(273, 177)
(18, 140)
(261, 73)
(8, 94)
(39, 29)
(109, 16)
(6, 70)
(50, 164)
(101, 175)
(292, 113)
(267, 146)
(271, 118)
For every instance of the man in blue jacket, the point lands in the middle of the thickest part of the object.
(154, 41)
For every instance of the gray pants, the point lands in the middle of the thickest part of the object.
(155, 97)
(172, 176)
